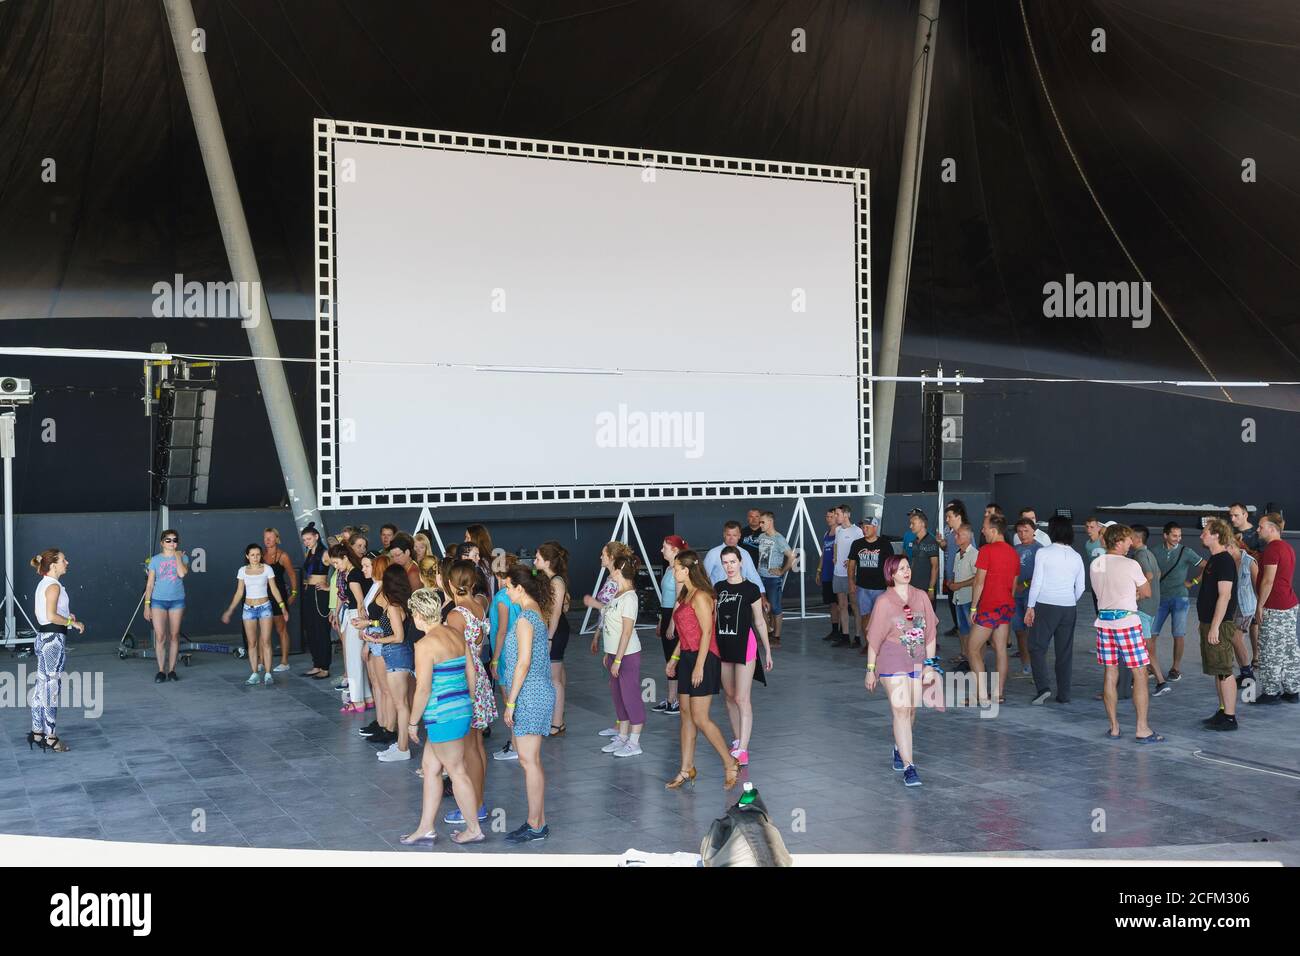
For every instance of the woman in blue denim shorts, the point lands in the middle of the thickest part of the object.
(164, 602)
(398, 652)
(256, 588)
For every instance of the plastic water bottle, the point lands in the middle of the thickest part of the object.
(748, 796)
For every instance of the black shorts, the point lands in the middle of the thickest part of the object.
(712, 682)
(828, 591)
(560, 642)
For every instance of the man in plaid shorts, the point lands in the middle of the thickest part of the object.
(1118, 581)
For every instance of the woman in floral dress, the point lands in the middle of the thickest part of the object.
(902, 646)
(468, 618)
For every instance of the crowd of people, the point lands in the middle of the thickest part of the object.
(1031, 584)
(442, 647)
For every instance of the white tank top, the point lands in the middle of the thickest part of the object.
(62, 608)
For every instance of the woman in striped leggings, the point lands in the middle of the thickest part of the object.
(53, 618)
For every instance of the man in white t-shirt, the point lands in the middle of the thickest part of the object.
(846, 532)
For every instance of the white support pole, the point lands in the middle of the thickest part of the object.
(624, 525)
(900, 257)
(243, 262)
(426, 523)
(8, 447)
(796, 532)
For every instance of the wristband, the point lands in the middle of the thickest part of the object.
(676, 657)
(510, 705)
(871, 667)
(148, 603)
(618, 660)
(293, 593)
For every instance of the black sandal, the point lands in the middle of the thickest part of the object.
(557, 730)
(55, 744)
(35, 739)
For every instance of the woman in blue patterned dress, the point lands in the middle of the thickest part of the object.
(525, 676)
(444, 694)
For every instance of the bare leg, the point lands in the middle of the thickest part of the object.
(744, 683)
(1110, 695)
(729, 698)
(687, 732)
(979, 636)
(900, 705)
(558, 680)
(1141, 699)
(529, 748)
(1228, 694)
(475, 765)
(1000, 650)
(264, 639)
(452, 756)
(431, 794)
(700, 717)
(159, 622)
(398, 682)
(250, 637)
(174, 622)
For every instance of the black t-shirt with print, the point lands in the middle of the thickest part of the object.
(870, 557)
(735, 618)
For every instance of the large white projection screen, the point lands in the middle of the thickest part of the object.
(509, 320)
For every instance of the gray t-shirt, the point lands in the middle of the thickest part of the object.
(1147, 562)
(923, 549)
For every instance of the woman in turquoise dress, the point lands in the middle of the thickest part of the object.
(525, 675)
(444, 694)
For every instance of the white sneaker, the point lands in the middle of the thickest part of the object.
(253, 679)
(629, 749)
(268, 680)
(616, 744)
(506, 754)
(281, 668)
(393, 755)
(608, 732)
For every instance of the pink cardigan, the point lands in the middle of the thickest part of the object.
(888, 625)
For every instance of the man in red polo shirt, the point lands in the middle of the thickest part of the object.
(996, 570)
(1279, 657)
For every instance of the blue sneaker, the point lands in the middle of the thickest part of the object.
(526, 834)
(910, 776)
(898, 761)
(456, 818)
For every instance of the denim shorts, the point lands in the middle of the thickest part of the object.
(399, 658)
(867, 598)
(772, 587)
(1022, 605)
(1176, 608)
(257, 612)
(160, 604)
(963, 618)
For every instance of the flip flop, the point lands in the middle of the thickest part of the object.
(1110, 736)
(427, 840)
(1151, 738)
(457, 834)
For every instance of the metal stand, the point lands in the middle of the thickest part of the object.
(8, 450)
(622, 525)
(426, 523)
(796, 533)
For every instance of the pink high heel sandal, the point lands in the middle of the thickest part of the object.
(352, 709)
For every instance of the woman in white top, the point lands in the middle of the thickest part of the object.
(53, 620)
(255, 582)
(623, 658)
(1054, 592)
